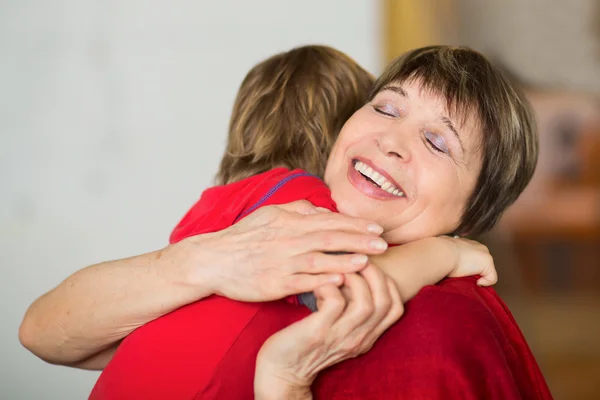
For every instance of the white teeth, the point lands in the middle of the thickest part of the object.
(377, 178)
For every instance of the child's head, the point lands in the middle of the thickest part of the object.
(289, 111)
(444, 145)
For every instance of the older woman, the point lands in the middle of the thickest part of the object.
(446, 126)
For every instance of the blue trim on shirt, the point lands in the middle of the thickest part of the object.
(271, 192)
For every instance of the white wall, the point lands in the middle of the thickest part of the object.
(112, 119)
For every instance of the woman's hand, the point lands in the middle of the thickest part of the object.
(347, 324)
(275, 252)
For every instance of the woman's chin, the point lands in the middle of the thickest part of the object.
(353, 209)
(349, 209)
(398, 236)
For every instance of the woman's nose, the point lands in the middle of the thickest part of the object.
(394, 144)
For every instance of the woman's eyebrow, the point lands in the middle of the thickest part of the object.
(450, 126)
(396, 89)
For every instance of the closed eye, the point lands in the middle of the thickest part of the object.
(436, 142)
(387, 111)
(434, 147)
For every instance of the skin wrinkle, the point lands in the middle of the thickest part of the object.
(437, 188)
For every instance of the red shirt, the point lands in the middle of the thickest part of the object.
(455, 341)
(174, 357)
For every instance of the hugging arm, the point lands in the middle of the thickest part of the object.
(424, 262)
(337, 331)
(270, 254)
(80, 322)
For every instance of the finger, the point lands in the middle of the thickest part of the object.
(382, 302)
(317, 263)
(488, 278)
(302, 283)
(393, 315)
(337, 241)
(303, 207)
(321, 221)
(325, 210)
(346, 291)
(377, 281)
(359, 305)
(489, 275)
(330, 304)
(313, 329)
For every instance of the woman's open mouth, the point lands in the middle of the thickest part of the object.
(372, 182)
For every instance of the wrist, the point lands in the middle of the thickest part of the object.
(273, 387)
(271, 382)
(185, 268)
(450, 246)
(451, 251)
(274, 392)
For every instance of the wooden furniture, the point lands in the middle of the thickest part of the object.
(557, 238)
(410, 24)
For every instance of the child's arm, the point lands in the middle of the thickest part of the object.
(427, 261)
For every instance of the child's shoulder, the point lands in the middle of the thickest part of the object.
(222, 206)
(281, 185)
(244, 187)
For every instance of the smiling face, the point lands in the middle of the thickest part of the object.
(404, 161)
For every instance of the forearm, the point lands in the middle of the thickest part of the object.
(417, 264)
(98, 361)
(99, 305)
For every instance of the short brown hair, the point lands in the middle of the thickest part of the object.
(290, 109)
(470, 83)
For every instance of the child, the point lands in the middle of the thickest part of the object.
(287, 115)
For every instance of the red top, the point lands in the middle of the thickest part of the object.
(179, 352)
(455, 340)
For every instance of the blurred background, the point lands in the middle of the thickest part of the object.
(113, 117)
(547, 247)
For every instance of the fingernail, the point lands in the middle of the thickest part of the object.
(379, 244)
(374, 228)
(335, 279)
(360, 259)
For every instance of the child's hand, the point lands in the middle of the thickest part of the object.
(474, 259)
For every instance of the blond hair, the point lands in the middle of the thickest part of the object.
(289, 111)
(471, 84)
